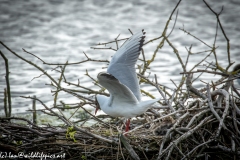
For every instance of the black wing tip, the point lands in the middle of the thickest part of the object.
(142, 40)
(107, 75)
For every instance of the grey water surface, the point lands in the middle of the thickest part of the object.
(58, 31)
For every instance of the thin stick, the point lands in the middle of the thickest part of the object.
(8, 85)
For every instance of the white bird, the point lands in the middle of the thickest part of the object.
(122, 83)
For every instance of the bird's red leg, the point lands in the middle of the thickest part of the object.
(127, 125)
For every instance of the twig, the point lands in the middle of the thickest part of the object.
(192, 89)
(220, 24)
(8, 114)
(181, 138)
(69, 124)
(207, 71)
(5, 102)
(129, 147)
(34, 110)
(29, 62)
(194, 149)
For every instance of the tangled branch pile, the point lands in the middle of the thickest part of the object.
(193, 123)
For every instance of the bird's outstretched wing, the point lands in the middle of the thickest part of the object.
(118, 91)
(122, 65)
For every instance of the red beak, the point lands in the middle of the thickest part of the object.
(96, 110)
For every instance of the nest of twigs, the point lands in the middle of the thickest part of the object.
(197, 131)
(190, 123)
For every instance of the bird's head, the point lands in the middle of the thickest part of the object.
(101, 102)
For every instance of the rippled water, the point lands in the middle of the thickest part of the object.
(58, 31)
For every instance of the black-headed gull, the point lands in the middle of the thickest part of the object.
(122, 83)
